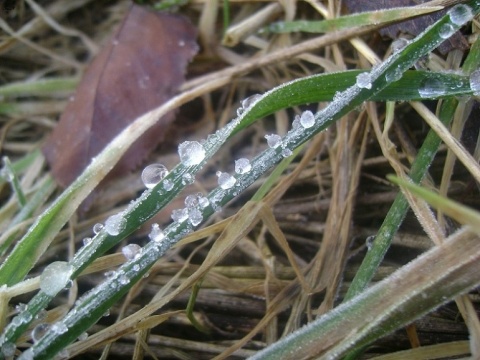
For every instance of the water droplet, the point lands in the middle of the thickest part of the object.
(87, 241)
(39, 330)
(191, 153)
(130, 251)
(286, 152)
(188, 179)
(123, 279)
(97, 228)
(136, 267)
(54, 277)
(59, 328)
(180, 215)
(195, 216)
(364, 80)
(460, 14)
(432, 88)
(153, 174)
(475, 82)
(399, 44)
(393, 75)
(273, 140)
(446, 30)
(242, 166)
(168, 185)
(115, 224)
(202, 201)
(83, 336)
(8, 349)
(225, 180)
(307, 119)
(156, 234)
(249, 101)
(191, 201)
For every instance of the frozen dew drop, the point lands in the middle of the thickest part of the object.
(188, 179)
(195, 216)
(475, 82)
(83, 336)
(180, 215)
(59, 328)
(242, 166)
(130, 251)
(446, 30)
(191, 201)
(364, 80)
(225, 180)
(156, 234)
(191, 153)
(432, 88)
(202, 201)
(296, 122)
(115, 224)
(8, 349)
(86, 241)
(39, 330)
(168, 185)
(460, 14)
(153, 174)
(21, 307)
(249, 101)
(399, 44)
(286, 152)
(54, 277)
(307, 119)
(97, 228)
(123, 279)
(393, 75)
(273, 140)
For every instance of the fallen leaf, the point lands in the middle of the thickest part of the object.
(141, 67)
(412, 27)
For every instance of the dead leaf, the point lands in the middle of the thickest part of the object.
(412, 27)
(139, 69)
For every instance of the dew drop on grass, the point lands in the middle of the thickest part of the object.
(432, 88)
(39, 330)
(202, 201)
(54, 277)
(286, 152)
(180, 215)
(83, 336)
(460, 14)
(130, 251)
(475, 82)
(246, 103)
(225, 180)
(273, 140)
(364, 80)
(191, 153)
(59, 328)
(307, 119)
(399, 44)
(393, 75)
(153, 174)
(191, 201)
(156, 234)
(446, 30)
(97, 228)
(87, 241)
(195, 216)
(296, 122)
(188, 179)
(242, 166)
(115, 224)
(8, 349)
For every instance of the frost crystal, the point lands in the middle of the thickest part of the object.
(187, 179)
(475, 82)
(446, 30)
(191, 201)
(432, 88)
(191, 153)
(195, 216)
(364, 80)
(307, 119)
(130, 251)
(180, 215)
(54, 277)
(242, 166)
(59, 328)
(97, 228)
(273, 140)
(115, 224)
(286, 152)
(153, 174)
(460, 14)
(168, 185)
(156, 234)
(225, 180)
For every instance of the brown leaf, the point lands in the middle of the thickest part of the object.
(140, 68)
(412, 27)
